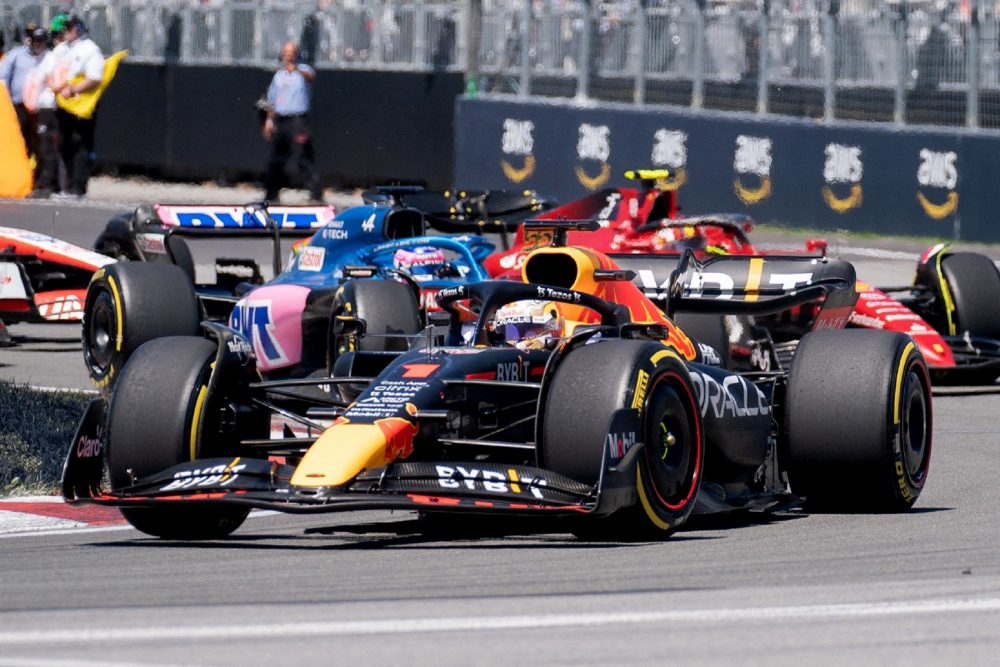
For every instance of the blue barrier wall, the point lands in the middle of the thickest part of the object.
(861, 177)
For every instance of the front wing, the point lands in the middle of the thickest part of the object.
(440, 486)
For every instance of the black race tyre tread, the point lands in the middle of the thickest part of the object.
(708, 329)
(840, 433)
(386, 306)
(974, 285)
(149, 429)
(590, 384)
(151, 300)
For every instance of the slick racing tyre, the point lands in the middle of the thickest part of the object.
(390, 312)
(593, 382)
(974, 286)
(707, 329)
(153, 425)
(128, 304)
(116, 240)
(858, 421)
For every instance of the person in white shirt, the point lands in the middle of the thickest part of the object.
(82, 57)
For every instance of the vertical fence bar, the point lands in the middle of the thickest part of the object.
(225, 33)
(698, 56)
(973, 63)
(524, 76)
(829, 61)
(586, 62)
(378, 29)
(420, 35)
(763, 26)
(902, 68)
(473, 36)
(638, 53)
(187, 41)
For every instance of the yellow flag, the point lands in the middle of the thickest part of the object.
(84, 104)
(15, 170)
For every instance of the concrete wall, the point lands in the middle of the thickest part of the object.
(189, 121)
(879, 178)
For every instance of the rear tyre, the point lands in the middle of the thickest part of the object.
(389, 309)
(575, 430)
(707, 329)
(858, 421)
(974, 284)
(147, 434)
(128, 304)
(116, 240)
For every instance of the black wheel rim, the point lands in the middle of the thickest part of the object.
(672, 456)
(102, 326)
(914, 428)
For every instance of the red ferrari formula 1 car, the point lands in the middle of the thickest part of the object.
(950, 310)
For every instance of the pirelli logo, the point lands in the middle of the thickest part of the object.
(639, 395)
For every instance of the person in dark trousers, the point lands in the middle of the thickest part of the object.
(80, 69)
(287, 127)
(14, 71)
(46, 122)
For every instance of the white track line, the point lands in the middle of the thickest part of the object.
(487, 623)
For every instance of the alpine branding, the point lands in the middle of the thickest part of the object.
(253, 319)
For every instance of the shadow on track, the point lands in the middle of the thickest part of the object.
(421, 533)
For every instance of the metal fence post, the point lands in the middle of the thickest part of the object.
(638, 53)
(763, 27)
(902, 68)
(973, 63)
(473, 37)
(225, 32)
(698, 57)
(420, 35)
(524, 77)
(187, 41)
(586, 61)
(829, 60)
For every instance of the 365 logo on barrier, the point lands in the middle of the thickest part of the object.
(517, 141)
(670, 150)
(843, 166)
(593, 144)
(938, 170)
(752, 158)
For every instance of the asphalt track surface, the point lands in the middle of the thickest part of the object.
(829, 589)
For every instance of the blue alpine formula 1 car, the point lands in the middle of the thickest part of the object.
(371, 261)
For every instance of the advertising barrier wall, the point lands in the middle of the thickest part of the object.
(877, 178)
(189, 121)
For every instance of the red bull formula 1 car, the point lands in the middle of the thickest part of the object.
(950, 310)
(572, 395)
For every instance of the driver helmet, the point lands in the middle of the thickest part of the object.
(421, 262)
(528, 325)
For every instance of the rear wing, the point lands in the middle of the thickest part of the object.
(256, 220)
(291, 220)
(468, 211)
(750, 285)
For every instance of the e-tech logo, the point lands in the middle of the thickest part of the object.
(253, 319)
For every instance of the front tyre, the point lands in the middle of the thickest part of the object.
(129, 304)
(152, 425)
(858, 421)
(575, 429)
